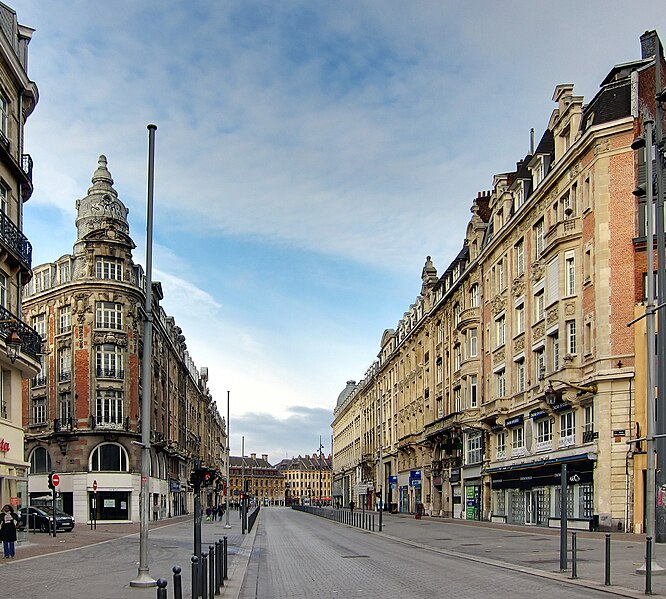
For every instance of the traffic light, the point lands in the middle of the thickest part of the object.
(207, 477)
(51, 485)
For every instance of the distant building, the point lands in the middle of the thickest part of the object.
(307, 479)
(82, 411)
(262, 481)
(18, 98)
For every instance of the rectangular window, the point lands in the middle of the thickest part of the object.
(571, 337)
(457, 353)
(587, 264)
(567, 429)
(500, 452)
(570, 273)
(588, 338)
(4, 120)
(501, 276)
(39, 410)
(520, 376)
(474, 296)
(520, 258)
(588, 426)
(540, 363)
(520, 319)
(538, 238)
(42, 280)
(500, 383)
(457, 400)
(553, 281)
(518, 437)
(4, 408)
(439, 370)
(473, 391)
(109, 268)
(64, 319)
(473, 342)
(544, 436)
(109, 408)
(554, 340)
(65, 362)
(65, 408)
(3, 290)
(39, 324)
(539, 305)
(500, 331)
(474, 452)
(109, 315)
(64, 272)
(110, 361)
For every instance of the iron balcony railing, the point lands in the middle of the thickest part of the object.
(65, 375)
(31, 340)
(12, 237)
(111, 373)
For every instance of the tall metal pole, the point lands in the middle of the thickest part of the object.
(226, 524)
(564, 514)
(144, 579)
(381, 458)
(243, 495)
(650, 332)
(660, 416)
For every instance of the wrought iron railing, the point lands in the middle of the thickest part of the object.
(65, 375)
(63, 425)
(39, 380)
(15, 240)
(111, 373)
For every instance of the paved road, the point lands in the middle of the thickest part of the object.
(100, 564)
(300, 555)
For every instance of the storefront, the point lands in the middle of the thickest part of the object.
(530, 493)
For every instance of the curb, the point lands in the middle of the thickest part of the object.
(234, 584)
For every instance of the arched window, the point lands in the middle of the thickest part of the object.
(110, 457)
(40, 461)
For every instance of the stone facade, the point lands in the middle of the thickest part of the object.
(307, 479)
(517, 360)
(18, 98)
(82, 411)
(263, 482)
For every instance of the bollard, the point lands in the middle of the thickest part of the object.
(226, 572)
(161, 588)
(218, 566)
(177, 583)
(373, 523)
(211, 571)
(203, 571)
(648, 565)
(607, 579)
(195, 577)
(574, 560)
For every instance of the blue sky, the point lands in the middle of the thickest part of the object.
(309, 156)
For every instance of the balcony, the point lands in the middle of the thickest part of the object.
(65, 376)
(110, 373)
(15, 241)
(31, 340)
(39, 381)
(468, 316)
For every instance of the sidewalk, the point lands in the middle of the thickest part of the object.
(533, 550)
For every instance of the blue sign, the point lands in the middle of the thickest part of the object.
(414, 475)
(416, 484)
(393, 479)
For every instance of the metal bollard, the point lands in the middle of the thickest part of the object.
(574, 559)
(607, 579)
(373, 523)
(218, 566)
(203, 571)
(161, 588)
(648, 565)
(177, 583)
(195, 577)
(226, 572)
(211, 571)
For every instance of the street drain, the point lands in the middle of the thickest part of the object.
(471, 544)
(353, 556)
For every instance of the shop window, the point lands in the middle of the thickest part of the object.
(40, 461)
(109, 457)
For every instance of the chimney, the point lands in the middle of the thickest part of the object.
(648, 44)
(264, 456)
(253, 456)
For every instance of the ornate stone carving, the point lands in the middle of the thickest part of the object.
(519, 344)
(553, 315)
(81, 306)
(539, 331)
(569, 309)
(498, 304)
(518, 286)
(537, 270)
(499, 356)
(116, 338)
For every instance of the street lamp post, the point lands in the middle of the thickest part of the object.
(381, 459)
(226, 524)
(144, 579)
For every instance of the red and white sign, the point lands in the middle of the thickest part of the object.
(94, 485)
(55, 479)
(4, 445)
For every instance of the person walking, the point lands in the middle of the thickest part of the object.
(8, 530)
(351, 506)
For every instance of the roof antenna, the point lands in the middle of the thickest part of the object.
(532, 141)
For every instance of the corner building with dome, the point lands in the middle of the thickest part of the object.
(82, 412)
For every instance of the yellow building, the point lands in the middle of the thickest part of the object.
(307, 479)
(262, 480)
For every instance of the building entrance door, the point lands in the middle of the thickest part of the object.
(531, 507)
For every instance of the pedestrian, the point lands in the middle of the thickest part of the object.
(214, 513)
(351, 506)
(8, 530)
(156, 511)
(208, 511)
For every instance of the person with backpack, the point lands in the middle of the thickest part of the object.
(8, 530)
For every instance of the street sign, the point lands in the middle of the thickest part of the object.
(56, 480)
(94, 485)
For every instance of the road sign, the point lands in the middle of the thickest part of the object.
(56, 480)
(94, 485)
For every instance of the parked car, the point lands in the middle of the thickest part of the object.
(41, 517)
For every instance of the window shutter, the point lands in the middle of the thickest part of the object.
(553, 281)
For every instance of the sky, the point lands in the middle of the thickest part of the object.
(309, 156)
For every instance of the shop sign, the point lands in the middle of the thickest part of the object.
(455, 475)
(416, 484)
(538, 413)
(515, 421)
(561, 407)
(393, 479)
(4, 445)
(414, 475)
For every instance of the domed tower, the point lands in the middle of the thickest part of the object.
(102, 229)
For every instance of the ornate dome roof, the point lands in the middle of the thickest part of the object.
(346, 392)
